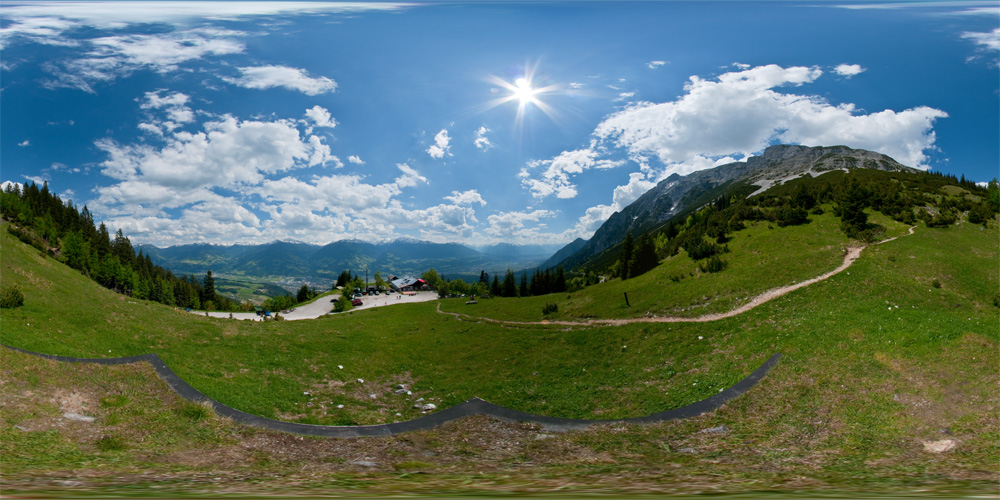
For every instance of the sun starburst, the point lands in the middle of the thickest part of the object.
(525, 90)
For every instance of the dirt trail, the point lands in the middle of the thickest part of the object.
(852, 254)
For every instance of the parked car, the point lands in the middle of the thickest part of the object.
(357, 302)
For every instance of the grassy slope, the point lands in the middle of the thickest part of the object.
(762, 257)
(860, 387)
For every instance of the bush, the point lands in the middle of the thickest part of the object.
(343, 304)
(11, 297)
(549, 309)
(713, 265)
(936, 283)
(697, 248)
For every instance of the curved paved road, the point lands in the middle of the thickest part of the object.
(322, 306)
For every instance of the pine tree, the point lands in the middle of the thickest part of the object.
(208, 290)
(625, 258)
(644, 256)
(509, 288)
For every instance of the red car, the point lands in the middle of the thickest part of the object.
(356, 302)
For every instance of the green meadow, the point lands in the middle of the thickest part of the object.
(899, 349)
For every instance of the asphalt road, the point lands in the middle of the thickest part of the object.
(323, 306)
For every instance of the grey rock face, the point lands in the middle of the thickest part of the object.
(670, 197)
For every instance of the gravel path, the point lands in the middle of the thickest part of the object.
(322, 306)
(852, 254)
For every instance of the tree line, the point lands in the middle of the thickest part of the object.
(58, 229)
(905, 197)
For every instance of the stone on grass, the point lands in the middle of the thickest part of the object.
(78, 417)
(428, 407)
(715, 430)
(940, 446)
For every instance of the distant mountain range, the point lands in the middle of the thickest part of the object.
(314, 263)
(672, 196)
(677, 194)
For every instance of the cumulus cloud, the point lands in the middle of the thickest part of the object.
(266, 77)
(848, 70)
(229, 152)
(483, 142)
(174, 104)
(355, 159)
(507, 225)
(555, 179)
(321, 117)
(25, 143)
(466, 197)
(655, 64)
(234, 181)
(441, 145)
(740, 113)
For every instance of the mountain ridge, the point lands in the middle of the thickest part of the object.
(673, 195)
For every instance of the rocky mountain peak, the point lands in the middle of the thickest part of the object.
(777, 164)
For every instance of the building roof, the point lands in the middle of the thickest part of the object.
(406, 281)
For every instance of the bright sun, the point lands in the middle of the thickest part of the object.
(523, 91)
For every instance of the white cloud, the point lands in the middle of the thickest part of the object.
(466, 197)
(636, 187)
(556, 178)
(576, 85)
(482, 142)
(848, 70)
(228, 153)
(117, 56)
(164, 52)
(441, 145)
(507, 225)
(266, 77)
(741, 112)
(176, 106)
(47, 19)
(321, 117)
(355, 159)
(655, 64)
(409, 178)
(25, 143)
(988, 43)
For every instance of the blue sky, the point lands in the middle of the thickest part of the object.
(474, 122)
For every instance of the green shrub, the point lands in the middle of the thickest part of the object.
(11, 297)
(936, 283)
(343, 304)
(549, 309)
(713, 265)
